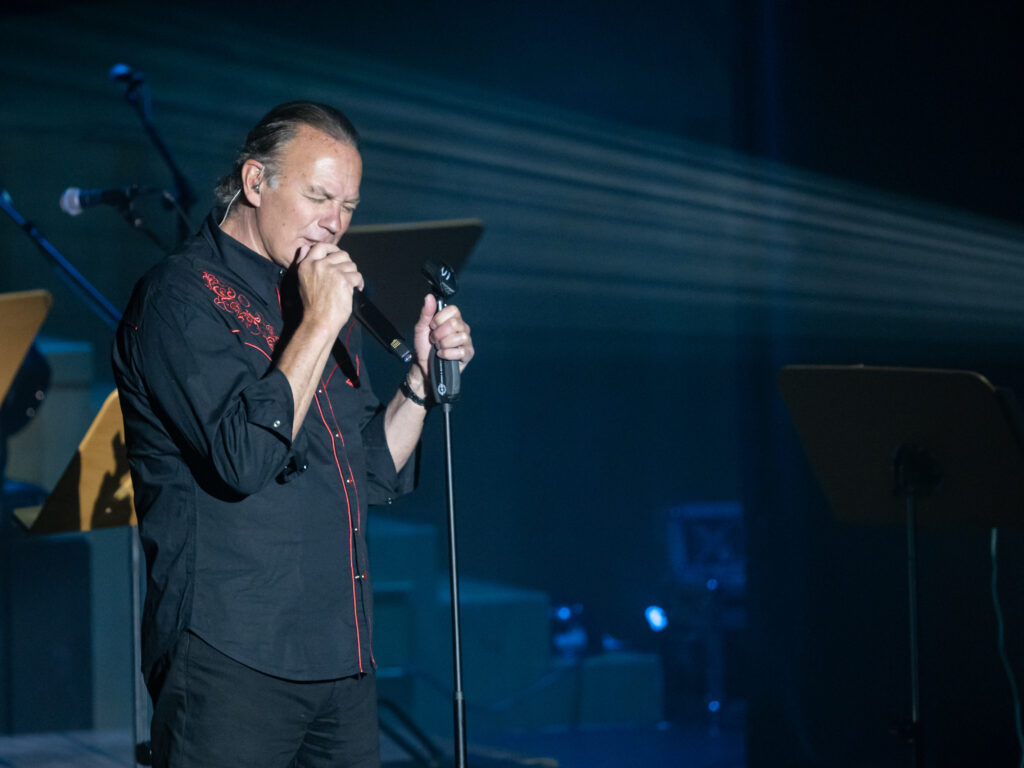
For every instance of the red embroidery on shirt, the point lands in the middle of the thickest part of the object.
(237, 304)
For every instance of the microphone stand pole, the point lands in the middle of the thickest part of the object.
(93, 298)
(459, 700)
(184, 197)
(446, 385)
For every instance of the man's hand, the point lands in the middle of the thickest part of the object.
(327, 276)
(445, 331)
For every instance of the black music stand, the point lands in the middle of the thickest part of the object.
(390, 256)
(909, 446)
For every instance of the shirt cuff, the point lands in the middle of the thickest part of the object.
(385, 482)
(268, 404)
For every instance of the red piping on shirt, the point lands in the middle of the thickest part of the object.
(355, 486)
(351, 543)
(256, 348)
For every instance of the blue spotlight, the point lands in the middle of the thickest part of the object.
(656, 617)
(563, 612)
(714, 705)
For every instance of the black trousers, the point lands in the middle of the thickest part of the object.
(216, 713)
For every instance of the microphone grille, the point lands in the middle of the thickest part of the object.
(70, 202)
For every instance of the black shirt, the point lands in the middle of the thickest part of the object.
(252, 541)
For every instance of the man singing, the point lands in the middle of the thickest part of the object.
(256, 445)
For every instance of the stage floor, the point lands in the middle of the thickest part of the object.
(695, 746)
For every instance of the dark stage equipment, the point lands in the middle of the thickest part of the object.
(708, 566)
(910, 446)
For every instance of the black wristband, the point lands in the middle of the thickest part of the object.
(406, 390)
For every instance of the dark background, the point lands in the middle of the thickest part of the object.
(587, 417)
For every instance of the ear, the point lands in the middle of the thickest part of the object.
(252, 181)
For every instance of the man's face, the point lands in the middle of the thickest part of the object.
(312, 198)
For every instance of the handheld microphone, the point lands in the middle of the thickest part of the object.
(373, 320)
(75, 200)
(445, 376)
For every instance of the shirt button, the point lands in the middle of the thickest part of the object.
(348, 481)
(319, 391)
(277, 423)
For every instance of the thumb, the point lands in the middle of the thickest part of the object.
(428, 310)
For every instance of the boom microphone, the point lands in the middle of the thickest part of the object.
(75, 200)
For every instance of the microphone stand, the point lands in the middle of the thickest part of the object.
(137, 95)
(446, 386)
(135, 221)
(93, 298)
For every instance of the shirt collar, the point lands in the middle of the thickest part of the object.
(261, 273)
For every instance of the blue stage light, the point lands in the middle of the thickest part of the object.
(656, 617)
(610, 643)
(714, 705)
(563, 612)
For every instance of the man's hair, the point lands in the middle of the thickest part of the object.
(268, 137)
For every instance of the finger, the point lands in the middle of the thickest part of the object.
(429, 308)
(455, 329)
(338, 257)
(328, 252)
(355, 279)
(449, 313)
(448, 338)
(463, 353)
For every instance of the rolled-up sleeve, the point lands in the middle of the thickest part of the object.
(218, 391)
(385, 483)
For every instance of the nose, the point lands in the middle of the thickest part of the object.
(335, 219)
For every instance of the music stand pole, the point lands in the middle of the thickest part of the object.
(915, 473)
(912, 597)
